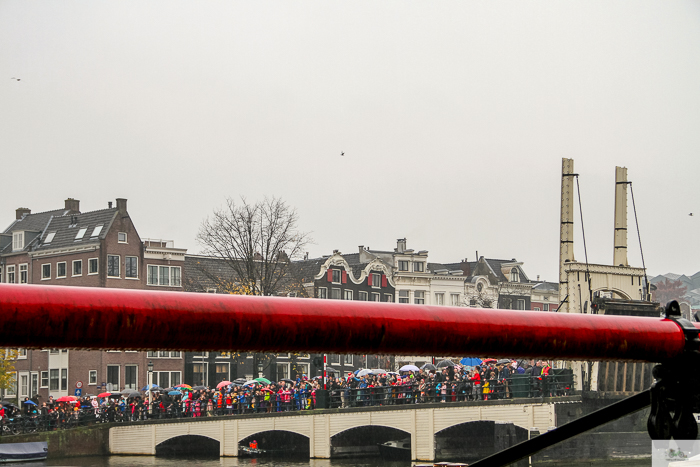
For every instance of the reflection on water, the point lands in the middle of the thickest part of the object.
(148, 461)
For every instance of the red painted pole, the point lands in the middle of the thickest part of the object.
(97, 318)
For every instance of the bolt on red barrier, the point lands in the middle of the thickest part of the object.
(38, 316)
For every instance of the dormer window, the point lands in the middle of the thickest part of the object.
(403, 265)
(17, 241)
(49, 237)
(514, 275)
(418, 266)
(96, 231)
(81, 233)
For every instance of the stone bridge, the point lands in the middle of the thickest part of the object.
(432, 428)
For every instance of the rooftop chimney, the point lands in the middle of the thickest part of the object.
(401, 245)
(20, 212)
(73, 206)
(109, 204)
(620, 251)
(121, 205)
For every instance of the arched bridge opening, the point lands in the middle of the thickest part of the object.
(188, 446)
(276, 443)
(471, 441)
(364, 441)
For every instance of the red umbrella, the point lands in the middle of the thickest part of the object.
(489, 360)
(66, 399)
(104, 394)
(222, 384)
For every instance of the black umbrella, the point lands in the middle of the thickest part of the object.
(240, 380)
(287, 380)
(8, 404)
(445, 363)
(331, 370)
(503, 361)
(199, 388)
(428, 367)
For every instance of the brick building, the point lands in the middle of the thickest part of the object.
(93, 249)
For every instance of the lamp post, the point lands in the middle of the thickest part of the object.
(150, 384)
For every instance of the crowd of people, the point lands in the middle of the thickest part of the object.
(453, 383)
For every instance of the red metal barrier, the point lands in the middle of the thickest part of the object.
(99, 318)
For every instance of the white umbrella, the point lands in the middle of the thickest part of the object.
(409, 368)
(364, 372)
(378, 371)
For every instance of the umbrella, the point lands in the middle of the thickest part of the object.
(105, 394)
(409, 368)
(126, 391)
(30, 402)
(445, 364)
(154, 387)
(199, 388)
(132, 394)
(263, 380)
(174, 393)
(488, 360)
(470, 361)
(250, 383)
(222, 384)
(66, 399)
(239, 380)
(330, 369)
(503, 361)
(287, 380)
(8, 404)
(391, 373)
(267, 389)
(364, 372)
(182, 386)
(378, 371)
(428, 367)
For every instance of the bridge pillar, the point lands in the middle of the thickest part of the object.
(423, 435)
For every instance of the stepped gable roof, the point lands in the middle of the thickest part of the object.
(34, 222)
(67, 227)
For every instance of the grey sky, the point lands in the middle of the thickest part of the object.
(453, 116)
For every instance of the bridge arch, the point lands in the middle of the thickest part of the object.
(188, 445)
(363, 440)
(283, 441)
(485, 437)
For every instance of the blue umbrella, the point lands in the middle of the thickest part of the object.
(30, 402)
(152, 386)
(174, 393)
(470, 361)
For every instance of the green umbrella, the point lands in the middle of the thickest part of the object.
(263, 380)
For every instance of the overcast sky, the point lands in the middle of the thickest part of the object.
(453, 117)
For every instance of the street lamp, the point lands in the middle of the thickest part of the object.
(150, 384)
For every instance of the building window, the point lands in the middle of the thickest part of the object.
(336, 276)
(487, 303)
(45, 271)
(322, 292)
(24, 385)
(92, 377)
(454, 299)
(131, 268)
(507, 304)
(199, 374)
(17, 241)
(545, 307)
(514, 276)
(403, 265)
(23, 273)
(375, 297)
(282, 371)
(49, 237)
(112, 265)
(537, 308)
(78, 267)
(44, 379)
(61, 269)
(418, 266)
(113, 377)
(403, 296)
(81, 233)
(53, 379)
(168, 276)
(376, 280)
(121, 237)
(221, 371)
(21, 354)
(64, 379)
(347, 294)
(419, 297)
(210, 290)
(335, 294)
(347, 359)
(130, 377)
(521, 304)
(388, 298)
(10, 279)
(96, 231)
(362, 296)
(92, 266)
(439, 298)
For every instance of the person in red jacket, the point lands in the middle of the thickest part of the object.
(476, 382)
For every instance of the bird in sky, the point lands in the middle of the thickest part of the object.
(690, 214)
(15, 79)
(342, 154)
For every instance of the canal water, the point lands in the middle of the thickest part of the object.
(150, 461)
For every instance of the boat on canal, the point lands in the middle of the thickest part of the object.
(396, 450)
(23, 452)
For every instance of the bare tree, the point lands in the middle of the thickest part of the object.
(257, 241)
